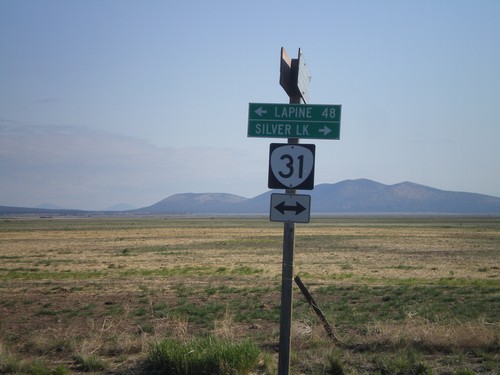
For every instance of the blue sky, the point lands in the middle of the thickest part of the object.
(105, 102)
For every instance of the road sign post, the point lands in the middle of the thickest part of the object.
(285, 343)
(291, 167)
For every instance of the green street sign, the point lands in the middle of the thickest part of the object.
(316, 121)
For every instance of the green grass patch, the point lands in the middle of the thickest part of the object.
(89, 363)
(202, 355)
(168, 272)
(36, 274)
(402, 363)
(360, 304)
(200, 313)
(245, 270)
(191, 271)
(11, 365)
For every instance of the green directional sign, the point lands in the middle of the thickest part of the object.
(316, 121)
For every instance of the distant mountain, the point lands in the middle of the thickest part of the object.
(346, 197)
(366, 196)
(120, 207)
(50, 206)
(192, 203)
(349, 196)
(7, 210)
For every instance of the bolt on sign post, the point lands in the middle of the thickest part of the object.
(291, 167)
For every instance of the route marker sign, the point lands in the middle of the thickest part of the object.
(313, 121)
(294, 208)
(291, 166)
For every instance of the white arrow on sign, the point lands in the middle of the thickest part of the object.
(261, 111)
(325, 130)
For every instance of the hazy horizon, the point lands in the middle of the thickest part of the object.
(124, 206)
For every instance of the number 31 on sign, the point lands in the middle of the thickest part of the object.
(291, 166)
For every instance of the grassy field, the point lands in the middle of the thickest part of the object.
(404, 295)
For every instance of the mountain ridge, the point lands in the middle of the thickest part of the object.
(347, 196)
(358, 196)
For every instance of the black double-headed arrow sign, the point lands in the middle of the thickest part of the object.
(290, 208)
(282, 207)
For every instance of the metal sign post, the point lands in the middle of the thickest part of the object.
(291, 167)
(285, 343)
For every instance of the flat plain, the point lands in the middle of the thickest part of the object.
(405, 295)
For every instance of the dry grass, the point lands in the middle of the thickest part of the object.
(435, 337)
(109, 287)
